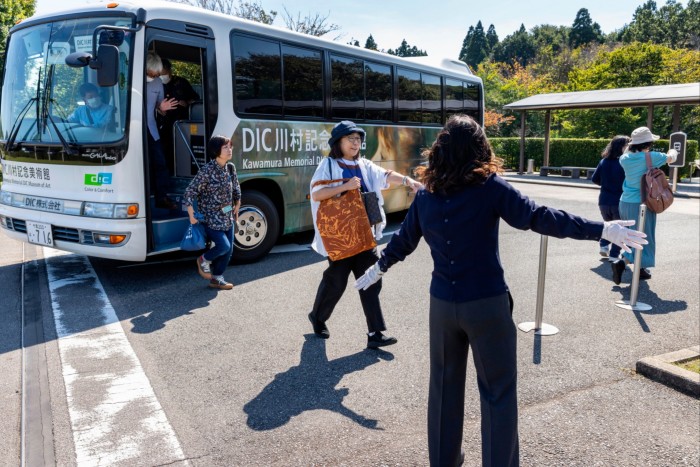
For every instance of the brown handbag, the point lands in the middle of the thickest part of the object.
(342, 223)
(656, 193)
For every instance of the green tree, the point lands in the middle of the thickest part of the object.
(584, 30)
(370, 43)
(671, 25)
(633, 65)
(519, 47)
(491, 38)
(690, 25)
(406, 50)
(475, 47)
(12, 11)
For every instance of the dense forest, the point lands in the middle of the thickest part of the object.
(658, 46)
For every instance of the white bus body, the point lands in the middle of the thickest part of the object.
(275, 92)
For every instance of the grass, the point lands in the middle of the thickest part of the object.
(692, 364)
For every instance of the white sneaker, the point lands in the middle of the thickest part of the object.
(604, 250)
(204, 268)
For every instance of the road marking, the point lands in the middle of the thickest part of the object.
(114, 413)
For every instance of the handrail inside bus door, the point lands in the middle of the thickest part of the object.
(187, 145)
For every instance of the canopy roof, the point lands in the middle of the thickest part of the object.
(623, 97)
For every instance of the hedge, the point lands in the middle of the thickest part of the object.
(571, 152)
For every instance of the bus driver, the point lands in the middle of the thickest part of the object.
(94, 113)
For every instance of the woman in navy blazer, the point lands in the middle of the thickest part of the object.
(458, 213)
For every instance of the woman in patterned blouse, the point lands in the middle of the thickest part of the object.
(218, 195)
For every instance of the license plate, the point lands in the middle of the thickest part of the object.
(39, 233)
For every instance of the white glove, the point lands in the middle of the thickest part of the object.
(671, 156)
(617, 233)
(369, 278)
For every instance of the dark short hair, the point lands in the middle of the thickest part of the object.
(215, 144)
(88, 87)
(640, 147)
(166, 64)
(615, 147)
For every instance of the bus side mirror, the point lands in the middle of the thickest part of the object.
(107, 65)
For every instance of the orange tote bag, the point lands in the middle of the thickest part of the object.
(342, 223)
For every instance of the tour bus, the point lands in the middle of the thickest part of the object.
(277, 93)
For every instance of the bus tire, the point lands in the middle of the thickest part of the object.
(257, 229)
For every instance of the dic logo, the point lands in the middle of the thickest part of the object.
(98, 179)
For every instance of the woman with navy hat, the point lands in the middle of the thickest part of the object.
(344, 161)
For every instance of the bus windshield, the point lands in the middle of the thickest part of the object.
(49, 108)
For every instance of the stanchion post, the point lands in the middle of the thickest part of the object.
(674, 174)
(540, 328)
(632, 303)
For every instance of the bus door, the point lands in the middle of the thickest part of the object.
(188, 49)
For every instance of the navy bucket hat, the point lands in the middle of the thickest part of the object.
(345, 128)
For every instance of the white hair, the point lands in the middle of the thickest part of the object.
(153, 62)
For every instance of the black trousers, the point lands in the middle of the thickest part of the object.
(485, 325)
(334, 283)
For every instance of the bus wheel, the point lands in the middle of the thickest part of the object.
(257, 229)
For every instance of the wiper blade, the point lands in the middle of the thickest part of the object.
(66, 147)
(46, 115)
(10, 143)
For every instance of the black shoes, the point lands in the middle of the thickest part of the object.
(618, 267)
(379, 340)
(320, 329)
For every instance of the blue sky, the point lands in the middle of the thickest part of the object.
(438, 27)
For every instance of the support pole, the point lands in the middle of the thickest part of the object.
(540, 328)
(521, 166)
(676, 127)
(632, 303)
(547, 125)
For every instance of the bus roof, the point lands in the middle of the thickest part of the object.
(222, 23)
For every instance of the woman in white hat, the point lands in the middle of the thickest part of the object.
(633, 161)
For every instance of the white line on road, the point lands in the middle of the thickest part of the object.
(115, 416)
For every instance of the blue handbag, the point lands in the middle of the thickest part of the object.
(195, 239)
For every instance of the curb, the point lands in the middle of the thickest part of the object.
(661, 368)
(583, 184)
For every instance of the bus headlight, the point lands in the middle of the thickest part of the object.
(109, 239)
(110, 210)
(6, 197)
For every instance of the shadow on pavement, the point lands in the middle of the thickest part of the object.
(310, 386)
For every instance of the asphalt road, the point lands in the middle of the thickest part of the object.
(244, 382)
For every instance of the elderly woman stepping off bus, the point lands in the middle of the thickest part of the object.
(217, 193)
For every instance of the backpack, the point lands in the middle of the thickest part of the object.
(656, 193)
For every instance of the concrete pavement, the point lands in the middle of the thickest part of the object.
(581, 401)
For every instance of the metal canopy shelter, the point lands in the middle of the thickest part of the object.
(644, 96)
